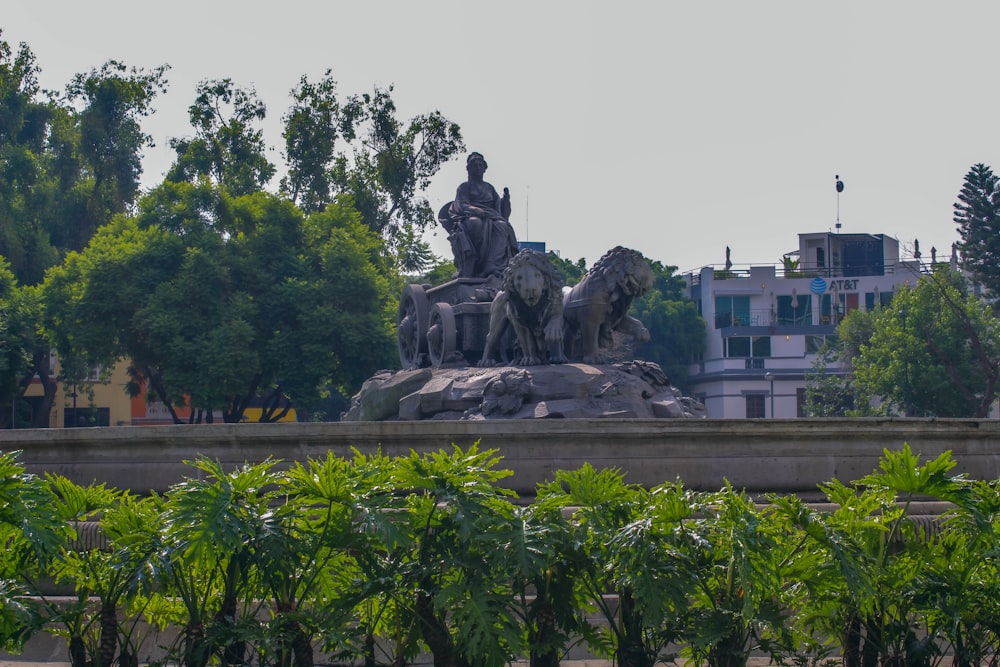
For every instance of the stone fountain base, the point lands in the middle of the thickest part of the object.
(634, 389)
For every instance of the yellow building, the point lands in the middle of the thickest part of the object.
(100, 400)
(96, 401)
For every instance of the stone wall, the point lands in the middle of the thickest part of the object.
(757, 455)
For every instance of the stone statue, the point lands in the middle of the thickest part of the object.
(482, 239)
(530, 299)
(599, 304)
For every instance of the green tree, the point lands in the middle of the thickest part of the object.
(312, 126)
(960, 586)
(217, 300)
(109, 564)
(601, 506)
(70, 162)
(211, 525)
(113, 100)
(866, 563)
(676, 330)
(740, 558)
(413, 253)
(312, 556)
(934, 352)
(227, 147)
(977, 214)
(441, 271)
(829, 392)
(14, 357)
(392, 161)
(24, 354)
(24, 125)
(572, 272)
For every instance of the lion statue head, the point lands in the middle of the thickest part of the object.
(530, 300)
(599, 304)
(625, 270)
(530, 277)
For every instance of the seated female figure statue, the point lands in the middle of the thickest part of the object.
(482, 239)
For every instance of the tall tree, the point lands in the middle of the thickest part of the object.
(227, 147)
(977, 214)
(70, 162)
(676, 330)
(934, 352)
(392, 161)
(829, 391)
(571, 272)
(24, 121)
(219, 300)
(312, 126)
(24, 355)
(114, 98)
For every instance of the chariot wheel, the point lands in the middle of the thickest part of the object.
(411, 328)
(442, 334)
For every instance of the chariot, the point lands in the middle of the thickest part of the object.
(446, 325)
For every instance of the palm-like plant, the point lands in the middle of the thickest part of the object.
(308, 556)
(32, 536)
(450, 567)
(871, 561)
(210, 529)
(600, 505)
(959, 589)
(739, 557)
(94, 569)
(542, 567)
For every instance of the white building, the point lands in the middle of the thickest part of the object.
(765, 324)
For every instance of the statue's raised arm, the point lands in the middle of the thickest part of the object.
(481, 237)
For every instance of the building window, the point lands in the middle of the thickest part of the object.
(732, 311)
(815, 343)
(884, 299)
(795, 309)
(800, 402)
(747, 346)
(820, 258)
(755, 406)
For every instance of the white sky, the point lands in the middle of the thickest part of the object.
(672, 127)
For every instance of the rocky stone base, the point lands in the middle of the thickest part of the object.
(635, 389)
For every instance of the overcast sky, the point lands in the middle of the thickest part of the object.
(675, 128)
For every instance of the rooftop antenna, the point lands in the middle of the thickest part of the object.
(840, 188)
(527, 220)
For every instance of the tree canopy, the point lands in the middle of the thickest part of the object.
(215, 290)
(70, 161)
(935, 351)
(977, 214)
(676, 330)
(227, 147)
(217, 299)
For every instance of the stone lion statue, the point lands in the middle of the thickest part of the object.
(530, 299)
(599, 304)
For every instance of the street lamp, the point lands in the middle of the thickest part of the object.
(769, 376)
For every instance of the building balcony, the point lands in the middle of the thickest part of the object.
(750, 318)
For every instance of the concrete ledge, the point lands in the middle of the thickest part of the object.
(788, 456)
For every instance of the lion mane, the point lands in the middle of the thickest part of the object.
(599, 303)
(538, 326)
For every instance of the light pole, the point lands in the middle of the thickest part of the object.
(769, 376)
